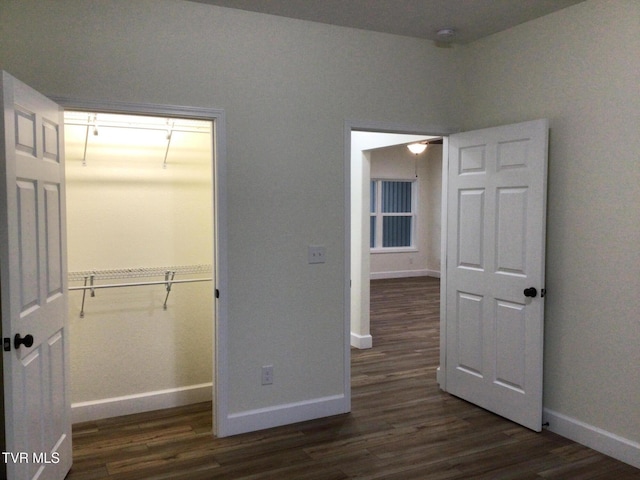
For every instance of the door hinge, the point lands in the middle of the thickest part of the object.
(6, 344)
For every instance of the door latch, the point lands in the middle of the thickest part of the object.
(6, 344)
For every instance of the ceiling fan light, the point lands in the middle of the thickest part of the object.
(417, 148)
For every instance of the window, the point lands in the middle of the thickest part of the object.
(392, 214)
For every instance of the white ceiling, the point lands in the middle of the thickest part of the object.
(471, 19)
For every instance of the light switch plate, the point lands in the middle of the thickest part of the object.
(317, 254)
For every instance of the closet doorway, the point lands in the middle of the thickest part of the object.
(141, 245)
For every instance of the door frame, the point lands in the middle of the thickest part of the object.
(220, 337)
(441, 376)
(406, 129)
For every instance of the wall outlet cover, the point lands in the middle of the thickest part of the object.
(317, 254)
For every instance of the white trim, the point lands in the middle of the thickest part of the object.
(220, 342)
(361, 342)
(346, 328)
(405, 274)
(381, 127)
(69, 103)
(142, 402)
(379, 250)
(400, 128)
(442, 369)
(220, 367)
(593, 437)
(276, 416)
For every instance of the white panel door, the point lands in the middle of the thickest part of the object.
(496, 252)
(33, 283)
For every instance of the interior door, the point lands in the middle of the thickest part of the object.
(34, 288)
(495, 269)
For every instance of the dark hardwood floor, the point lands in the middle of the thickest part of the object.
(401, 426)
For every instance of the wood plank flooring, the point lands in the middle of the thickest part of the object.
(401, 426)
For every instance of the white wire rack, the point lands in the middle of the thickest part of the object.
(89, 277)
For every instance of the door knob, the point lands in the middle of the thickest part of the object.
(27, 341)
(530, 292)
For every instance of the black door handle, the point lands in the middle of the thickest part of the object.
(530, 292)
(27, 341)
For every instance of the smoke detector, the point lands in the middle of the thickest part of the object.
(445, 34)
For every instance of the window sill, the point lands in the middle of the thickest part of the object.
(393, 250)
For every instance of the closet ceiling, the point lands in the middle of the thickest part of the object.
(153, 141)
(471, 19)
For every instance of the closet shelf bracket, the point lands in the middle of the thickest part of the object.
(169, 135)
(168, 277)
(88, 279)
(86, 136)
(84, 292)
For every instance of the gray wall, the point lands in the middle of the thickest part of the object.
(288, 86)
(580, 68)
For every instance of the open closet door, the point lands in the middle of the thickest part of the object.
(495, 269)
(33, 283)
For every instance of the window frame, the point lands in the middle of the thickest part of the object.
(379, 216)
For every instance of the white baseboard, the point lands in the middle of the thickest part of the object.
(361, 341)
(593, 437)
(404, 274)
(263, 418)
(143, 402)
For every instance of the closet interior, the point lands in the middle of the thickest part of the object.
(140, 246)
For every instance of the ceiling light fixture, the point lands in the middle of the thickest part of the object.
(445, 34)
(417, 148)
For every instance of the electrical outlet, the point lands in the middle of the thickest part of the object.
(267, 375)
(316, 253)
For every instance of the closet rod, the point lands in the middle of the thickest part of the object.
(137, 284)
(169, 273)
(167, 282)
(139, 272)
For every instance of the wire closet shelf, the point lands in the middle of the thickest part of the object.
(89, 277)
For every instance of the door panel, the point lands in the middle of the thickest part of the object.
(33, 276)
(53, 233)
(510, 333)
(470, 238)
(495, 242)
(470, 333)
(511, 240)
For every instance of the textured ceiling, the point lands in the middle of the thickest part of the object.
(471, 19)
